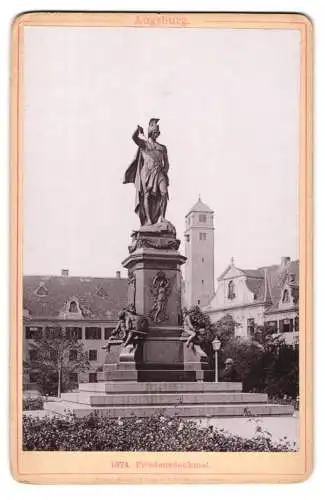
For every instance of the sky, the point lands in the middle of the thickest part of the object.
(228, 103)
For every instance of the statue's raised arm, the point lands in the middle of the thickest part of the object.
(139, 141)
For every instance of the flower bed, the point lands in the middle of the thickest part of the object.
(160, 433)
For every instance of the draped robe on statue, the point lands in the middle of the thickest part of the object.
(147, 171)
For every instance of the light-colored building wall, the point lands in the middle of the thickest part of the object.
(246, 297)
(242, 315)
(88, 344)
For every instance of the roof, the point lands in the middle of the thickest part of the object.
(267, 282)
(98, 298)
(200, 207)
(277, 277)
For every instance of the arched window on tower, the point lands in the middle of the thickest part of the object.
(231, 290)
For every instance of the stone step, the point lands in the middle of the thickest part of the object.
(188, 398)
(155, 375)
(158, 387)
(199, 410)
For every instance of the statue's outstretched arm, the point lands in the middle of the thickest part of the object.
(139, 142)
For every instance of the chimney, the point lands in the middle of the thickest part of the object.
(285, 261)
(65, 272)
(118, 274)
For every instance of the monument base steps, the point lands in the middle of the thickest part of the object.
(185, 399)
(198, 410)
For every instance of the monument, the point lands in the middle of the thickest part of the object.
(153, 362)
(157, 352)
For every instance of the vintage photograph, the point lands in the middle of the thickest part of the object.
(161, 241)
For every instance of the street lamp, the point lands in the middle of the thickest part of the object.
(216, 344)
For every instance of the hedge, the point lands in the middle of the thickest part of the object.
(33, 404)
(157, 433)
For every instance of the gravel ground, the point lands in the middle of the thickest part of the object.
(279, 427)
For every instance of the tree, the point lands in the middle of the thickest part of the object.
(224, 328)
(58, 353)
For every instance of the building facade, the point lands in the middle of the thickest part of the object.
(86, 306)
(267, 296)
(199, 251)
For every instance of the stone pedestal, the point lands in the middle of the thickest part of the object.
(154, 294)
(154, 275)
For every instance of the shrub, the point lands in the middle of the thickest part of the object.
(270, 369)
(156, 433)
(33, 403)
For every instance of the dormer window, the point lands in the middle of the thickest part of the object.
(101, 292)
(73, 307)
(42, 291)
(285, 296)
(231, 290)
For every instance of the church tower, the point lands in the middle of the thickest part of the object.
(199, 250)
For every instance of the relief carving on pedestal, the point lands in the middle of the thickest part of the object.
(131, 290)
(160, 289)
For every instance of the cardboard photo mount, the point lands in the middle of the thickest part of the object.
(125, 467)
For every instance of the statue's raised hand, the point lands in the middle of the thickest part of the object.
(140, 129)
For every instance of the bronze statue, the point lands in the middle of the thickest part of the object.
(149, 174)
(122, 329)
(189, 329)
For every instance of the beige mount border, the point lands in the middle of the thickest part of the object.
(97, 467)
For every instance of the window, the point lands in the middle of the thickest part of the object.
(202, 282)
(202, 259)
(73, 377)
(93, 332)
(33, 354)
(286, 325)
(198, 301)
(250, 326)
(33, 332)
(92, 355)
(92, 377)
(285, 296)
(73, 308)
(271, 326)
(53, 331)
(53, 355)
(73, 355)
(202, 218)
(108, 333)
(297, 324)
(187, 238)
(231, 290)
(203, 236)
(73, 332)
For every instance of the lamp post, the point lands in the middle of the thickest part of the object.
(216, 344)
